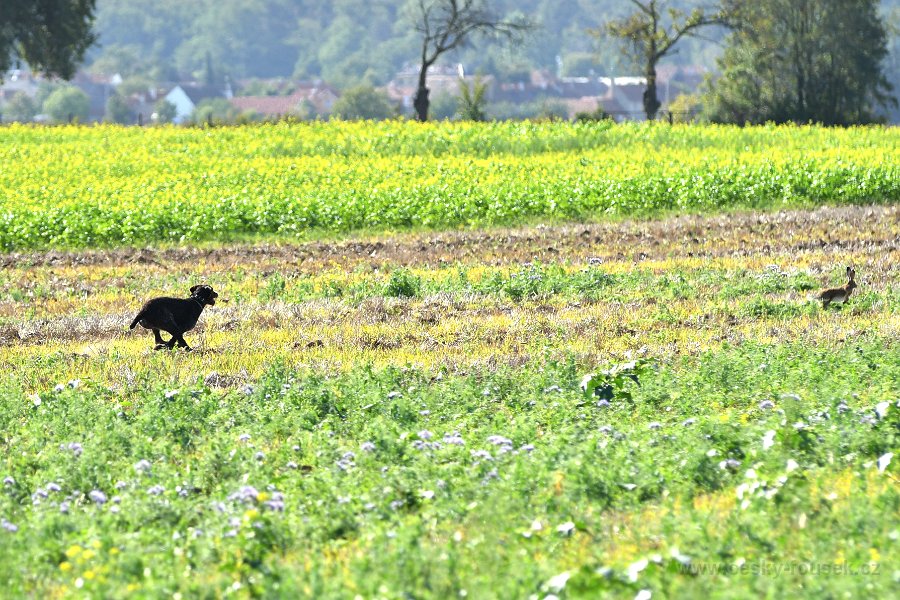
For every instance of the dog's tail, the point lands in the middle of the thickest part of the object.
(137, 320)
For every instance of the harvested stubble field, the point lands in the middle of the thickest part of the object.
(401, 416)
(459, 300)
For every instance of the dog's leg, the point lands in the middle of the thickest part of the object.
(160, 342)
(167, 324)
(182, 343)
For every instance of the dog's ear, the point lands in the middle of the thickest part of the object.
(194, 288)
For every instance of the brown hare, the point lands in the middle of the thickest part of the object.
(839, 294)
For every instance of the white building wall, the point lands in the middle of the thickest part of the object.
(184, 107)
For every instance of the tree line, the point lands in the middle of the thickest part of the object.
(783, 60)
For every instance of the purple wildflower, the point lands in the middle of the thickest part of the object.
(483, 454)
(276, 502)
(74, 447)
(454, 439)
(246, 493)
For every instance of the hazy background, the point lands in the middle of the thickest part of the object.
(346, 42)
(256, 48)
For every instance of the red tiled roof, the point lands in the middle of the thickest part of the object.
(611, 105)
(634, 93)
(267, 105)
(586, 104)
(285, 105)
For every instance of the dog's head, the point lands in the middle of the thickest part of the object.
(205, 294)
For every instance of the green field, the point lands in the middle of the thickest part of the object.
(106, 186)
(391, 403)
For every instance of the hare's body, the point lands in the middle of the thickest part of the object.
(839, 294)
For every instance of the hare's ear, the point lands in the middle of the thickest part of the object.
(194, 288)
(849, 272)
(852, 273)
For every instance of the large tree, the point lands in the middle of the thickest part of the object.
(19, 108)
(362, 102)
(50, 35)
(67, 104)
(446, 25)
(651, 33)
(802, 61)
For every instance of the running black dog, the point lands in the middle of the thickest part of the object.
(175, 315)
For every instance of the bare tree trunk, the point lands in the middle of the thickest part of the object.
(446, 25)
(652, 40)
(420, 101)
(651, 102)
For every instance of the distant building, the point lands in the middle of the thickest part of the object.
(543, 85)
(98, 90)
(441, 79)
(16, 81)
(622, 96)
(624, 99)
(318, 96)
(675, 80)
(186, 96)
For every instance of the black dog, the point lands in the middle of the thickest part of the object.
(175, 315)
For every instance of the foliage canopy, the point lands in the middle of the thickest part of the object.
(802, 61)
(50, 35)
